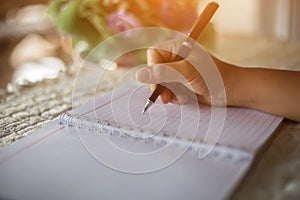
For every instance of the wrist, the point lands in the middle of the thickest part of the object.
(230, 75)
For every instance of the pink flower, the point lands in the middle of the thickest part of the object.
(122, 21)
(176, 16)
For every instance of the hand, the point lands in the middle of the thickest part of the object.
(269, 90)
(198, 73)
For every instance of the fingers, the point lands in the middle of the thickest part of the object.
(157, 56)
(175, 72)
(179, 93)
(163, 69)
(166, 96)
(179, 71)
(164, 52)
(175, 93)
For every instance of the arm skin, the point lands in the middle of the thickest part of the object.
(269, 90)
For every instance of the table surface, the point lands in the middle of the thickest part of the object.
(276, 173)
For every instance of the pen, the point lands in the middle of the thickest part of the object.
(187, 45)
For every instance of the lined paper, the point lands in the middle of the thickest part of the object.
(54, 163)
(242, 128)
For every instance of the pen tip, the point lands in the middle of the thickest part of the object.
(147, 106)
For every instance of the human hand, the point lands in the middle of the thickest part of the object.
(197, 73)
(268, 90)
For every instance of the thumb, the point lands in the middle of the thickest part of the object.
(166, 72)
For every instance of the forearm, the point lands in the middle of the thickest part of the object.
(269, 90)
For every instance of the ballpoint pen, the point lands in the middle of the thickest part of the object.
(187, 45)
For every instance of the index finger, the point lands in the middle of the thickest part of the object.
(164, 52)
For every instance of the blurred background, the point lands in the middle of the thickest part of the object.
(29, 42)
(279, 19)
(31, 48)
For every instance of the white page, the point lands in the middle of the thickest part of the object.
(242, 128)
(53, 164)
(60, 162)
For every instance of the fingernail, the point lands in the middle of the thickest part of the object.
(143, 75)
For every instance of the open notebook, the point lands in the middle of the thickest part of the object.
(107, 149)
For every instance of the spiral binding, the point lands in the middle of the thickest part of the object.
(201, 149)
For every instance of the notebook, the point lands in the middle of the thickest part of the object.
(107, 149)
